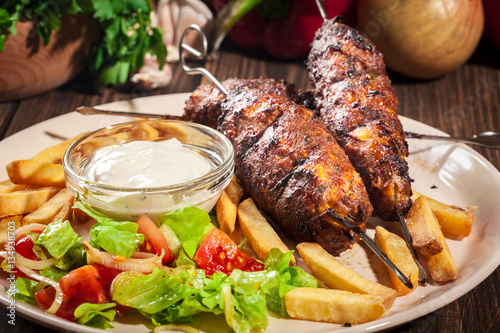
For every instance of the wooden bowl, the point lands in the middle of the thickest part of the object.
(27, 67)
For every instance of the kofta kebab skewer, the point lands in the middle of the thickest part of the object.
(355, 99)
(293, 168)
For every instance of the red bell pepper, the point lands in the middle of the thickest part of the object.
(287, 30)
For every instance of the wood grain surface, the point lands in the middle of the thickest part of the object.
(461, 103)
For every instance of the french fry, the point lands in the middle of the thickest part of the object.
(25, 201)
(424, 228)
(227, 206)
(50, 210)
(7, 186)
(396, 249)
(44, 169)
(35, 173)
(333, 306)
(326, 268)
(260, 233)
(7, 224)
(452, 219)
(442, 266)
(65, 212)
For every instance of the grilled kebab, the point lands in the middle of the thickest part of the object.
(355, 99)
(288, 162)
(204, 105)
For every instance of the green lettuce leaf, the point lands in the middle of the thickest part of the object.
(95, 315)
(281, 279)
(24, 290)
(189, 224)
(151, 293)
(58, 238)
(118, 238)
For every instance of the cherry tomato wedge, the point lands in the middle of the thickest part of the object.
(79, 286)
(219, 252)
(154, 238)
(24, 246)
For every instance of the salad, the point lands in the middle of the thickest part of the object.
(168, 273)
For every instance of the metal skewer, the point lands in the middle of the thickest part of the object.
(486, 139)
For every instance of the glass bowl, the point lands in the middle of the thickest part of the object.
(128, 204)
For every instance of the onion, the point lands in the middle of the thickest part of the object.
(423, 39)
(56, 304)
(140, 262)
(228, 307)
(25, 262)
(34, 227)
(33, 264)
(175, 328)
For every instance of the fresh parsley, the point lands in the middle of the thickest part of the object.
(126, 33)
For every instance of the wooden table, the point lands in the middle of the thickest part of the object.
(462, 103)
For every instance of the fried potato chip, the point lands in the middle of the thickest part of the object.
(442, 266)
(333, 306)
(452, 219)
(398, 252)
(10, 223)
(424, 228)
(261, 235)
(44, 169)
(7, 186)
(326, 268)
(25, 201)
(50, 210)
(227, 206)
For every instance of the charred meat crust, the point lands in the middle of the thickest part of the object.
(204, 105)
(293, 168)
(355, 99)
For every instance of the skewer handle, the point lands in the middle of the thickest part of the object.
(201, 55)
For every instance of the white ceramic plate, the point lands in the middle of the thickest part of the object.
(452, 173)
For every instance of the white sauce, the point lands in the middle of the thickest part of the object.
(141, 164)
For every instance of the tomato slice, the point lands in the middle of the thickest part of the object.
(79, 286)
(219, 252)
(154, 238)
(24, 246)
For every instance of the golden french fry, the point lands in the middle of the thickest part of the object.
(50, 210)
(141, 131)
(65, 212)
(333, 306)
(7, 224)
(227, 206)
(35, 173)
(261, 235)
(442, 266)
(7, 186)
(424, 228)
(25, 201)
(44, 169)
(398, 252)
(452, 219)
(326, 268)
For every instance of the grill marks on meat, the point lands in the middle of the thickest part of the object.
(289, 163)
(355, 99)
(204, 105)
